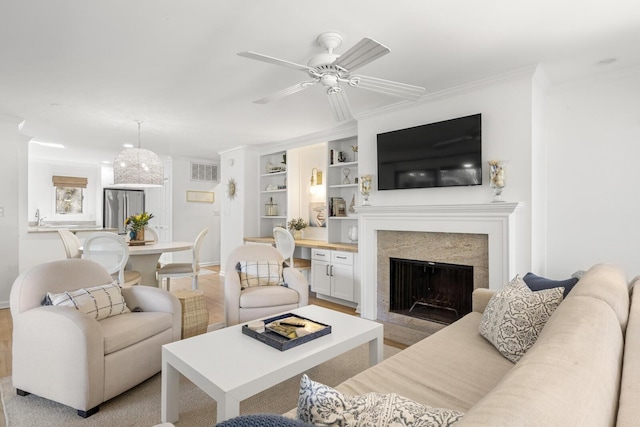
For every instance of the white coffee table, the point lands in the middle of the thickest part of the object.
(230, 366)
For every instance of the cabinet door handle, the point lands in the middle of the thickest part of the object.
(331, 270)
(326, 270)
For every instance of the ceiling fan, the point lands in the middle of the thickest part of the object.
(331, 69)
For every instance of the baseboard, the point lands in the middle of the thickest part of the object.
(337, 300)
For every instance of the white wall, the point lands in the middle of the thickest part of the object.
(240, 214)
(189, 218)
(506, 108)
(593, 149)
(13, 173)
(41, 192)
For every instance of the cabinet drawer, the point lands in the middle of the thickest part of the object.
(341, 257)
(321, 254)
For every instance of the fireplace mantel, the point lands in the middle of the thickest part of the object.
(497, 220)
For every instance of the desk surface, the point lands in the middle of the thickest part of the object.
(308, 243)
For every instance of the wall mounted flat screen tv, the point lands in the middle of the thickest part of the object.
(442, 154)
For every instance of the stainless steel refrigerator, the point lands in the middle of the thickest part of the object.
(118, 205)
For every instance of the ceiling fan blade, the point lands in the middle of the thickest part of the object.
(401, 90)
(272, 60)
(339, 104)
(365, 51)
(284, 92)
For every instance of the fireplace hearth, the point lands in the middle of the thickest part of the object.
(438, 292)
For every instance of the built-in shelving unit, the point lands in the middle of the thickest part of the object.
(341, 183)
(273, 192)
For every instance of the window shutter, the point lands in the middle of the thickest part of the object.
(69, 181)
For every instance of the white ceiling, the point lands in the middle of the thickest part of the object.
(82, 72)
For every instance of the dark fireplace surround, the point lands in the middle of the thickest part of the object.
(468, 250)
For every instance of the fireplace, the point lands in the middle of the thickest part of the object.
(405, 232)
(429, 290)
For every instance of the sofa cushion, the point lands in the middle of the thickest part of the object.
(267, 296)
(320, 404)
(98, 302)
(123, 331)
(515, 316)
(570, 377)
(539, 283)
(259, 273)
(453, 368)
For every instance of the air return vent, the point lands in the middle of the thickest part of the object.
(204, 172)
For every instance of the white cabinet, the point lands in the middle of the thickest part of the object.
(332, 274)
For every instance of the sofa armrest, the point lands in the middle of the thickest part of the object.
(155, 300)
(58, 353)
(296, 281)
(480, 298)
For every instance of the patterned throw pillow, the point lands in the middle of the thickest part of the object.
(322, 405)
(259, 273)
(98, 302)
(515, 315)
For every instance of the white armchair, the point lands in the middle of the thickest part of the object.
(244, 305)
(64, 355)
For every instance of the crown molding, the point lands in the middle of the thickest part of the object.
(509, 76)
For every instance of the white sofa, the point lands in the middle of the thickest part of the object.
(64, 355)
(571, 376)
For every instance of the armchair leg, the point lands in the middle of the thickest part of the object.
(22, 392)
(87, 414)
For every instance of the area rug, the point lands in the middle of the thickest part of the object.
(140, 406)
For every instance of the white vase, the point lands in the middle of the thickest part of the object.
(297, 234)
(353, 233)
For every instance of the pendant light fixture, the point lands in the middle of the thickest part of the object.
(137, 167)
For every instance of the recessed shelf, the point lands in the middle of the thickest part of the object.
(343, 164)
(281, 190)
(273, 216)
(343, 185)
(353, 217)
(274, 173)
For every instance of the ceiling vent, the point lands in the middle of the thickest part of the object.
(207, 172)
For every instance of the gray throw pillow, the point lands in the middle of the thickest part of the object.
(539, 283)
(515, 315)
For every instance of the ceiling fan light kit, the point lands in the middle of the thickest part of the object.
(330, 69)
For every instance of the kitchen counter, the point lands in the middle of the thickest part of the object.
(72, 228)
(308, 243)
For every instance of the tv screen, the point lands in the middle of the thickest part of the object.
(442, 154)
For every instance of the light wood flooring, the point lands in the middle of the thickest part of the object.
(213, 287)
(211, 284)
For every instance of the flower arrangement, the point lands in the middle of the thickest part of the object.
(297, 224)
(138, 222)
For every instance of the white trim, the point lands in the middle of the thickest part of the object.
(497, 220)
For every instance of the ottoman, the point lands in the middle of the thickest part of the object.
(195, 316)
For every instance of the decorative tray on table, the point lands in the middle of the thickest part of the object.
(287, 331)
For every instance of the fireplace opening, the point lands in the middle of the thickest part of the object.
(434, 291)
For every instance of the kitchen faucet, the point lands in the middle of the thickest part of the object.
(39, 219)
